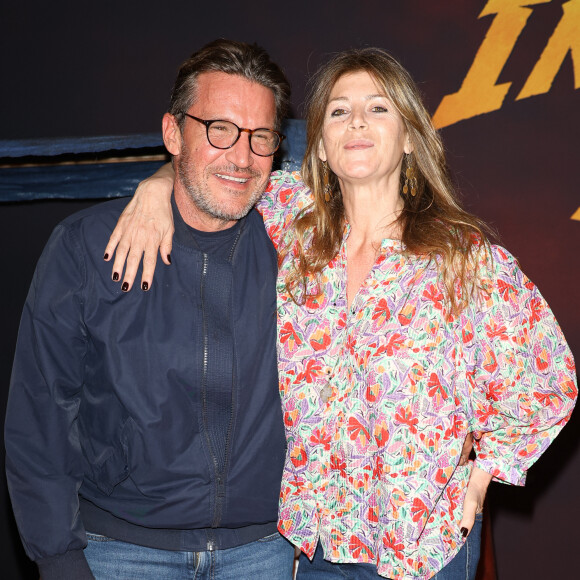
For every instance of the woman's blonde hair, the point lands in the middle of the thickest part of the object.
(432, 222)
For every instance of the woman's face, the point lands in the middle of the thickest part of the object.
(363, 135)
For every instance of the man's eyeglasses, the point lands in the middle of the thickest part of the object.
(225, 134)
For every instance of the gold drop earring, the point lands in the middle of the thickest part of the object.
(410, 177)
(325, 181)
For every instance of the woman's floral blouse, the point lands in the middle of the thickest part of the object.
(378, 399)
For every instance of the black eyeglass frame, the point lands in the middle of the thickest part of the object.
(241, 130)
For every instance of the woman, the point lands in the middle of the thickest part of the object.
(401, 329)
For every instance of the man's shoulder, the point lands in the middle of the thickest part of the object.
(90, 228)
(105, 212)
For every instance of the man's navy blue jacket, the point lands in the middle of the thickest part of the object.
(159, 409)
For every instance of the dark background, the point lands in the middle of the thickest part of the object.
(82, 69)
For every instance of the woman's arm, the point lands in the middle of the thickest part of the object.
(521, 373)
(145, 225)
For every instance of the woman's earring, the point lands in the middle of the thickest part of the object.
(326, 185)
(410, 178)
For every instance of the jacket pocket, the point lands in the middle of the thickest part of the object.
(114, 467)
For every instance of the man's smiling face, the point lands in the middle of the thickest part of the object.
(216, 187)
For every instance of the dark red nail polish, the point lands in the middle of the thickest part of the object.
(106, 257)
(125, 286)
(169, 258)
(115, 276)
(464, 532)
(145, 286)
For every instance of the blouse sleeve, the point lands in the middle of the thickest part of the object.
(521, 373)
(285, 197)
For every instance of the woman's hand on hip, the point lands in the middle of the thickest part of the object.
(474, 498)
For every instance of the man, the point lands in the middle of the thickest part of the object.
(150, 422)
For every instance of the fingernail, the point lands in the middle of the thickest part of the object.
(145, 286)
(464, 532)
(169, 258)
(106, 257)
(125, 286)
(115, 276)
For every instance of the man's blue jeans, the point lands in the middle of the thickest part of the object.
(462, 567)
(270, 558)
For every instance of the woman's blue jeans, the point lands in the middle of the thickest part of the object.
(270, 558)
(462, 567)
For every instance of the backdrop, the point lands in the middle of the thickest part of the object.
(501, 78)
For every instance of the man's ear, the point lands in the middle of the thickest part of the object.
(171, 134)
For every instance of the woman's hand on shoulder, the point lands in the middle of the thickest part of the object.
(144, 227)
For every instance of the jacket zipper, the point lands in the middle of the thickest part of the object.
(210, 545)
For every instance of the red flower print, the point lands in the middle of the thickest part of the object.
(312, 370)
(319, 436)
(286, 195)
(372, 393)
(454, 430)
(393, 345)
(501, 253)
(416, 373)
(406, 315)
(495, 389)
(569, 389)
(274, 234)
(360, 550)
(314, 302)
(483, 413)
(548, 399)
(336, 536)
(337, 464)
(351, 343)
(362, 359)
(289, 335)
(493, 330)
(290, 417)
(536, 310)
(381, 434)
(431, 440)
(543, 360)
(453, 494)
(381, 312)
(467, 333)
(507, 291)
(436, 389)
(405, 415)
(320, 339)
(379, 466)
(432, 293)
(419, 511)
(489, 361)
(357, 431)
(442, 475)
(297, 483)
(298, 456)
(373, 514)
(391, 543)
